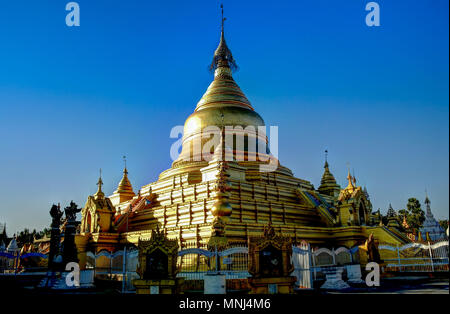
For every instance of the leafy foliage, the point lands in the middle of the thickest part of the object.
(25, 236)
(415, 216)
(384, 220)
(444, 224)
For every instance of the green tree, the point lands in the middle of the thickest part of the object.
(27, 236)
(444, 224)
(384, 219)
(415, 216)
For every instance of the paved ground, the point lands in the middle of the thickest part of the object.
(406, 285)
(431, 288)
(398, 285)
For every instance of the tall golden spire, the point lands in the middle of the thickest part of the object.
(350, 185)
(99, 194)
(223, 91)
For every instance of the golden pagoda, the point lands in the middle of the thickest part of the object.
(220, 200)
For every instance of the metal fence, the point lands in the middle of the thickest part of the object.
(121, 264)
(14, 263)
(416, 257)
(194, 262)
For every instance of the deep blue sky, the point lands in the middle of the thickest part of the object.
(73, 100)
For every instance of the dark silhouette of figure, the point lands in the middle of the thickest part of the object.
(372, 250)
(55, 236)
(70, 253)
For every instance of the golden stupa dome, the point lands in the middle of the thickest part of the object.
(223, 105)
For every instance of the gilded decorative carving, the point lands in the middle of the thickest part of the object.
(167, 247)
(259, 245)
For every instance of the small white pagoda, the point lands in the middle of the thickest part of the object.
(431, 226)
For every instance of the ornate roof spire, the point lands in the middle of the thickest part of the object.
(427, 200)
(427, 203)
(124, 191)
(392, 218)
(350, 185)
(124, 184)
(222, 55)
(223, 91)
(99, 194)
(328, 183)
(391, 212)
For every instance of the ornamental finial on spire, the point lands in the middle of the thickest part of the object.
(100, 182)
(427, 200)
(99, 194)
(223, 18)
(350, 179)
(222, 55)
(125, 171)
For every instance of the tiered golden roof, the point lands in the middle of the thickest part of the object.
(328, 185)
(124, 184)
(124, 191)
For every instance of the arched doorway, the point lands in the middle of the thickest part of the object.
(362, 215)
(88, 222)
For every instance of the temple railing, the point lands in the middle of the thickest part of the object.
(416, 257)
(194, 263)
(121, 264)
